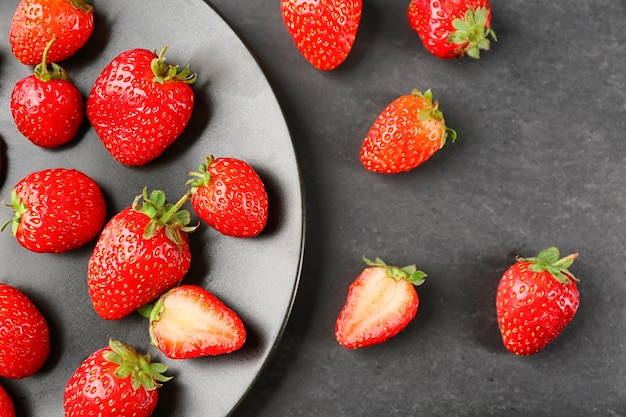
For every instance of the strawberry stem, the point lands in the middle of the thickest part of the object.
(169, 72)
(472, 32)
(549, 260)
(409, 273)
(19, 209)
(431, 112)
(56, 72)
(200, 177)
(140, 369)
(82, 5)
(169, 216)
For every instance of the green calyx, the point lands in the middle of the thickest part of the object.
(82, 5)
(200, 177)
(163, 215)
(169, 72)
(140, 369)
(431, 112)
(19, 209)
(472, 32)
(409, 273)
(549, 260)
(48, 72)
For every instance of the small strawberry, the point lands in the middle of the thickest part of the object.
(536, 300)
(6, 404)
(139, 105)
(381, 302)
(56, 210)
(25, 341)
(405, 134)
(229, 196)
(35, 22)
(323, 30)
(452, 28)
(189, 322)
(114, 381)
(142, 252)
(46, 107)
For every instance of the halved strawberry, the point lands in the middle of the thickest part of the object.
(189, 321)
(381, 302)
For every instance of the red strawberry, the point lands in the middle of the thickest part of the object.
(139, 105)
(114, 381)
(323, 30)
(381, 302)
(35, 22)
(47, 107)
(25, 341)
(189, 321)
(229, 196)
(536, 300)
(6, 404)
(407, 133)
(56, 210)
(452, 28)
(142, 252)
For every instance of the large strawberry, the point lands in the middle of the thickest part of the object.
(114, 381)
(139, 105)
(36, 22)
(189, 321)
(536, 299)
(46, 106)
(381, 302)
(142, 252)
(452, 28)
(405, 134)
(6, 404)
(25, 341)
(229, 196)
(56, 210)
(323, 30)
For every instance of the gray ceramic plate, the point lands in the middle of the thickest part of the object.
(236, 115)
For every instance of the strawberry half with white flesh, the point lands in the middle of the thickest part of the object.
(381, 302)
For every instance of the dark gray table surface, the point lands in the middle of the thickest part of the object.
(539, 162)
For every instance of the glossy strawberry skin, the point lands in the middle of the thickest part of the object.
(135, 117)
(127, 271)
(533, 308)
(94, 389)
(48, 113)
(324, 31)
(35, 22)
(63, 209)
(25, 341)
(233, 200)
(6, 404)
(189, 322)
(433, 21)
(400, 140)
(377, 308)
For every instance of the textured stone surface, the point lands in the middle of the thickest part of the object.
(539, 162)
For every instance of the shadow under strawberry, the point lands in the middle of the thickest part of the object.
(3, 161)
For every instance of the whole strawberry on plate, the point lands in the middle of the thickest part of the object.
(25, 341)
(35, 22)
(142, 252)
(452, 28)
(114, 381)
(47, 107)
(139, 105)
(324, 31)
(536, 299)
(381, 302)
(405, 134)
(6, 404)
(56, 210)
(229, 195)
(189, 322)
